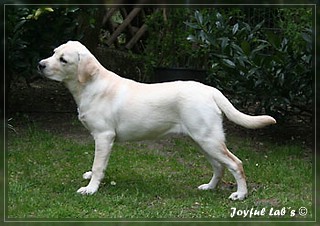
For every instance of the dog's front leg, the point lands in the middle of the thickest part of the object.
(103, 147)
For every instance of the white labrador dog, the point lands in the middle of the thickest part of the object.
(113, 108)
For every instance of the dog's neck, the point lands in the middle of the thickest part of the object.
(75, 88)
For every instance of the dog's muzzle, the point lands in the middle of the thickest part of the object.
(41, 67)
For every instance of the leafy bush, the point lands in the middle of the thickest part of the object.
(32, 34)
(166, 37)
(166, 45)
(29, 36)
(261, 70)
(293, 22)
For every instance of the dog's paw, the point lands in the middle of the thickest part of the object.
(205, 187)
(87, 175)
(87, 190)
(238, 196)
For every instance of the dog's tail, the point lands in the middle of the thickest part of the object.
(248, 121)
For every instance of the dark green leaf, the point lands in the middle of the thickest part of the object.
(198, 17)
(220, 56)
(247, 27)
(273, 39)
(258, 26)
(210, 39)
(236, 48)
(242, 60)
(192, 25)
(258, 82)
(235, 28)
(192, 38)
(19, 25)
(228, 63)
(245, 47)
(224, 42)
(307, 37)
(219, 25)
(253, 71)
(219, 16)
(259, 48)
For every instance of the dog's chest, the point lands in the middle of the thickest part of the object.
(82, 118)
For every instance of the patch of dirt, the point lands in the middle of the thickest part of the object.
(41, 96)
(267, 202)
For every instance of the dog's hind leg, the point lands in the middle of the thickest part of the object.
(235, 167)
(218, 174)
(220, 153)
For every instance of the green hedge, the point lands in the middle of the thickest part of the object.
(269, 71)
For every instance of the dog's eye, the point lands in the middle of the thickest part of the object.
(62, 60)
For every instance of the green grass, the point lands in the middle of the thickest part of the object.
(45, 170)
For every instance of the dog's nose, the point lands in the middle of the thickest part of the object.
(41, 66)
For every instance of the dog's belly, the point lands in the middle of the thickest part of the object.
(146, 130)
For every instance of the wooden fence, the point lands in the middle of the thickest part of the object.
(131, 24)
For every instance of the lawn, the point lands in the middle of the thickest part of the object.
(152, 180)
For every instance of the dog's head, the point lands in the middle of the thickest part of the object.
(70, 61)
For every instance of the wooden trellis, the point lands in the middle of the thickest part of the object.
(134, 32)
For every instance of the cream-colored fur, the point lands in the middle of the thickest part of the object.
(113, 108)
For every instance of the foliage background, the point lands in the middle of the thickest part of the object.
(261, 57)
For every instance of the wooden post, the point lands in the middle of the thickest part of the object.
(109, 13)
(124, 15)
(124, 24)
(136, 37)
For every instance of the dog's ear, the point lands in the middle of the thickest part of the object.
(87, 67)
